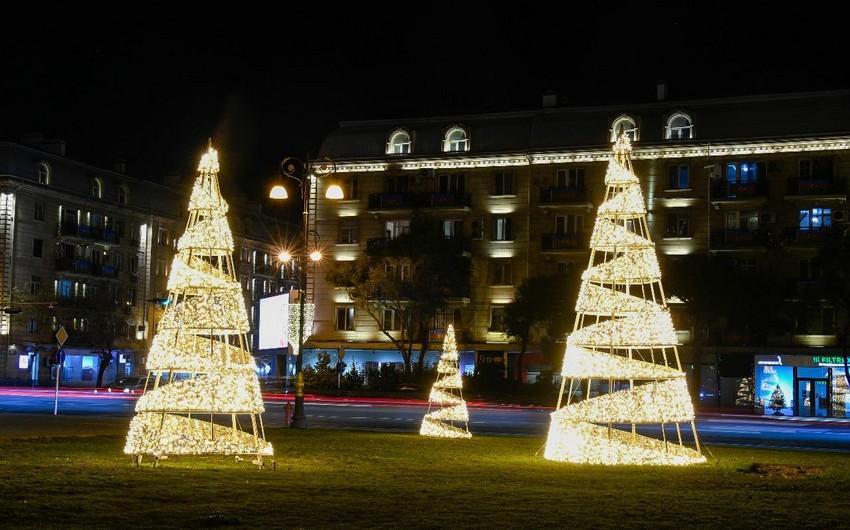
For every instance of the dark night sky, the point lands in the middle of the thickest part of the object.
(266, 82)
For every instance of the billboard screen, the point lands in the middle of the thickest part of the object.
(274, 320)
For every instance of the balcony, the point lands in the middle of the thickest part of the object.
(565, 197)
(73, 265)
(738, 239)
(266, 270)
(737, 337)
(805, 237)
(723, 191)
(445, 201)
(392, 201)
(555, 242)
(822, 188)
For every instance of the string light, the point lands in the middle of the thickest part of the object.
(447, 415)
(202, 384)
(624, 342)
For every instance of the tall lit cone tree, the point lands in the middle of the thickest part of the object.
(622, 355)
(447, 415)
(202, 395)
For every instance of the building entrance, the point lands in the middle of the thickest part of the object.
(812, 397)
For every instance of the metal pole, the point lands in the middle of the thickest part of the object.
(299, 420)
(61, 359)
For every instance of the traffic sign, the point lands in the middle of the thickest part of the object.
(59, 357)
(61, 336)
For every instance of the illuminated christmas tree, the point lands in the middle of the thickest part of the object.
(202, 395)
(447, 416)
(777, 401)
(622, 352)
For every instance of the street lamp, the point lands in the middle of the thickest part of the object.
(307, 174)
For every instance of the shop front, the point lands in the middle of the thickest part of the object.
(801, 385)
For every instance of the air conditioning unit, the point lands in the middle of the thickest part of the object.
(840, 216)
(767, 217)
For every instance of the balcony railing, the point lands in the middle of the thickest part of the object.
(564, 195)
(807, 236)
(378, 201)
(738, 239)
(825, 186)
(444, 200)
(723, 190)
(563, 242)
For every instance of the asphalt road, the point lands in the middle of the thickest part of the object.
(28, 412)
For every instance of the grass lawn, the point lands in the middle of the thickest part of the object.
(354, 479)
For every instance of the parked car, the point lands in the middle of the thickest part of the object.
(127, 385)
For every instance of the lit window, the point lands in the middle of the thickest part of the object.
(626, 125)
(399, 144)
(396, 227)
(451, 228)
(679, 127)
(815, 219)
(744, 171)
(456, 141)
(497, 319)
(502, 229)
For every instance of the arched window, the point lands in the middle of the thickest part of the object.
(399, 143)
(123, 194)
(96, 188)
(456, 140)
(43, 173)
(625, 124)
(679, 127)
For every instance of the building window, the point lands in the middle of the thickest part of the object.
(478, 229)
(32, 325)
(444, 317)
(131, 297)
(624, 124)
(96, 188)
(396, 227)
(35, 284)
(161, 271)
(400, 272)
(572, 178)
(744, 171)
(456, 141)
(123, 193)
(677, 225)
(564, 267)
(815, 219)
(678, 177)
(64, 289)
(43, 173)
(453, 183)
(503, 183)
(392, 320)
(497, 319)
(349, 188)
(502, 229)
(133, 264)
(397, 184)
(399, 143)
(117, 262)
(162, 236)
(37, 248)
(38, 211)
(345, 318)
(569, 223)
(815, 168)
(679, 127)
(502, 273)
(348, 234)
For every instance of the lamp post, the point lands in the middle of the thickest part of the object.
(307, 174)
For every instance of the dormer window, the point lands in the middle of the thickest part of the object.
(456, 141)
(43, 173)
(624, 124)
(679, 127)
(399, 143)
(96, 188)
(123, 193)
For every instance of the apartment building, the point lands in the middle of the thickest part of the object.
(89, 250)
(762, 178)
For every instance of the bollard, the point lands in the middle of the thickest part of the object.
(287, 410)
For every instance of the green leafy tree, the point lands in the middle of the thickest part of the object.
(543, 306)
(410, 278)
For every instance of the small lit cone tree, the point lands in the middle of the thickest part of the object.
(447, 415)
(622, 352)
(777, 401)
(202, 395)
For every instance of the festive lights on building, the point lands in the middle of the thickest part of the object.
(447, 415)
(622, 355)
(202, 395)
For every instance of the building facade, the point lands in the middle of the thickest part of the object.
(762, 178)
(89, 249)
